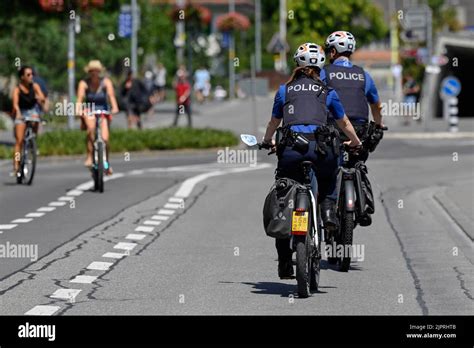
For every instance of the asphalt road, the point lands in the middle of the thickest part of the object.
(193, 228)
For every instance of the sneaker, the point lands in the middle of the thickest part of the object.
(285, 270)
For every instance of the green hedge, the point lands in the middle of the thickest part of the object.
(64, 142)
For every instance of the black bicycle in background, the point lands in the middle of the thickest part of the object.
(29, 153)
(100, 163)
(352, 206)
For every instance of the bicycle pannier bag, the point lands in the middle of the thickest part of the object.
(364, 188)
(278, 208)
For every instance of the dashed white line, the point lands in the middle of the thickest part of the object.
(125, 246)
(33, 215)
(133, 236)
(166, 212)
(66, 294)
(66, 198)
(57, 204)
(46, 209)
(176, 200)
(144, 229)
(152, 222)
(8, 226)
(43, 310)
(173, 206)
(160, 217)
(83, 279)
(21, 221)
(100, 266)
(74, 193)
(113, 255)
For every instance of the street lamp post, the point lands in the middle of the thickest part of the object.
(70, 67)
(231, 56)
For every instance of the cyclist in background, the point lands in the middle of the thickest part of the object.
(97, 93)
(28, 101)
(355, 87)
(302, 104)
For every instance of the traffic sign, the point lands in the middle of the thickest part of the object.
(276, 44)
(125, 24)
(415, 18)
(450, 87)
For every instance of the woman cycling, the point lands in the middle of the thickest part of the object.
(28, 100)
(96, 92)
(303, 103)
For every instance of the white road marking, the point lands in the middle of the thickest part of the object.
(46, 209)
(21, 221)
(113, 255)
(66, 294)
(125, 246)
(83, 279)
(144, 229)
(85, 186)
(172, 206)
(57, 204)
(429, 135)
(176, 200)
(8, 227)
(30, 215)
(100, 266)
(75, 192)
(160, 217)
(43, 310)
(166, 212)
(188, 185)
(66, 198)
(151, 222)
(134, 236)
(136, 172)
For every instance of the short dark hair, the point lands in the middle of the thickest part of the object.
(22, 70)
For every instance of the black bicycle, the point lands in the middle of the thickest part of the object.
(26, 170)
(100, 163)
(351, 203)
(306, 228)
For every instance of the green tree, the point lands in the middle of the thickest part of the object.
(314, 20)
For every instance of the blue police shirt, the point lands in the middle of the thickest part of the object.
(332, 102)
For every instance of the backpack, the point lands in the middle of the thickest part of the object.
(278, 208)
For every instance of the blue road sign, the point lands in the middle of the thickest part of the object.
(125, 24)
(450, 87)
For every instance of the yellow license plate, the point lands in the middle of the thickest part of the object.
(299, 222)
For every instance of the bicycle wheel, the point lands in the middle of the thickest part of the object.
(29, 161)
(315, 258)
(100, 167)
(347, 229)
(303, 268)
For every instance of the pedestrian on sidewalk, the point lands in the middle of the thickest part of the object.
(183, 98)
(411, 95)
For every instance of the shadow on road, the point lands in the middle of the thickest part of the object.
(273, 288)
(327, 266)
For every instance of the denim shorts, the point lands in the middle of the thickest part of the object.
(32, 114)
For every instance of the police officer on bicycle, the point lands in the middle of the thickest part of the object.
(355, 87)
(302, 104)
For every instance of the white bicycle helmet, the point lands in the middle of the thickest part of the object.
(342, 41)
(310, 54)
